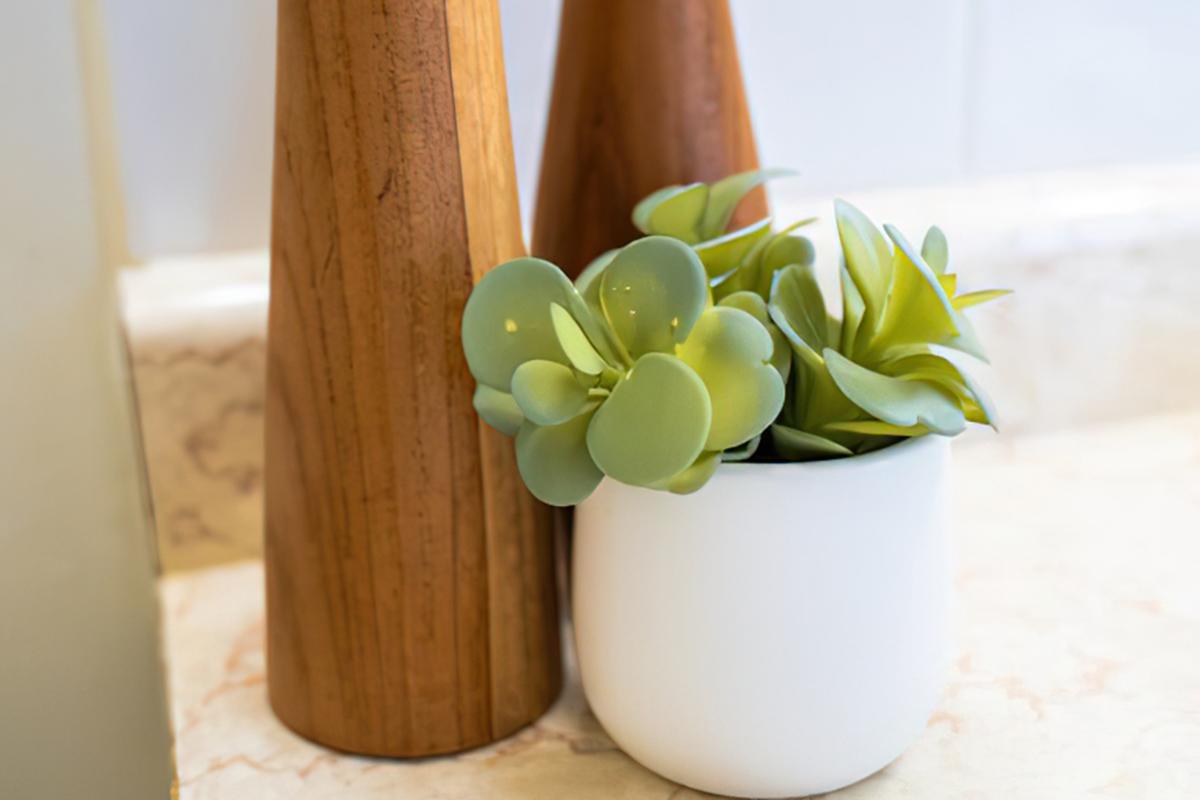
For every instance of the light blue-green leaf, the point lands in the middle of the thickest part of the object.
(725, 194)
(725, 253)
(917, 309)
(750, 302)
(935, 250)
(852, 314)
(694, 477)
(638, 439)
(796, 298)
(742, 451)
(574, 342)
(868, 258)
(547, 392)
(900, 402)
(797, 445)
(783, 251)
(731, 352)
(554, 461)
(652, 294)
(588, 283)
(507, 319)
(874, 427)
(677, 213)
(498, 409)
(975, 298)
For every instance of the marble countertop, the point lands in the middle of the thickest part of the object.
(1077, 672)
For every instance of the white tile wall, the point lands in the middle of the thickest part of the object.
(854, 94)
(1075, 82)
(193, 84)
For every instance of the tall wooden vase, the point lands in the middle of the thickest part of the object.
(410, 585)
(647, 93)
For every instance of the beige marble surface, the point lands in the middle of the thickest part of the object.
(196, 333)
(1077, 671)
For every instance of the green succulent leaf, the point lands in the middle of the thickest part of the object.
(507, 319)
(852, 314)
(797, 445)
(798, 308)
(694, 477)
(750, 302)
(936, 251)
(731, 352)
(725, 253)
(574, 342)
(975, 298)
(725, 194)
(588, 283)
(783, 251)
(547, 392)
(634, 440)
(868, 258)
(555, 463)
(976, 405)
(917, 310)
(652, 294)
(900, 402)
(742, 451)
(498, 409)
(874, 427)
(677, 211)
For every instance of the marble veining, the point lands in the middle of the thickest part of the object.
(1077, 628)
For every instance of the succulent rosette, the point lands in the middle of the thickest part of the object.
(856, 383)
(631, 372)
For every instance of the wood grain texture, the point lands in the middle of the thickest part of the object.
(410, 576)
(646, 93)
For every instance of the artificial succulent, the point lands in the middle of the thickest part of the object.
(631, 372)
(876, 374)
(679, 350)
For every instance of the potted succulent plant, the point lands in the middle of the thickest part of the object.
(760, 584)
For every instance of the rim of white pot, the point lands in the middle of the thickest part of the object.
(884, 455)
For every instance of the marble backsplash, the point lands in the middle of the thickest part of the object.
(1106, 265)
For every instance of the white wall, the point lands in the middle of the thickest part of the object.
(854, 94)
(82, 711)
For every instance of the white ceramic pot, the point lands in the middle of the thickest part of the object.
(781, 632)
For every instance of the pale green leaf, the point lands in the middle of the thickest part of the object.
(750, 302)
(634, 439)
(731, 352)
(574, 342)
(742, 451)
(900, 402)
(726, 193)
(547, 392)
(797, 445)
(935, 250)
(652, 294)
(868, 258)
(917, 309)
(852, 314)
(975, 298)
(694, 477)
(555, 463)
(725, 253)
(796, 300)
(677, 213)
(874, 427)
(783, 251)
(507, 319)
(498, 409)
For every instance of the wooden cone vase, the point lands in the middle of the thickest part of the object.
(647, 93)
(411, 603)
